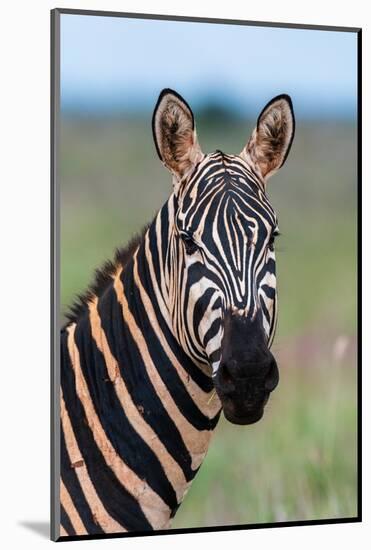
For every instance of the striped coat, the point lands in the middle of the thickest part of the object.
(136, 413)
(175, 329)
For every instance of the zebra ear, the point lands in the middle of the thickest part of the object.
(271, 140)
(174, 133)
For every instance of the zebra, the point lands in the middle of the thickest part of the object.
(174, 330)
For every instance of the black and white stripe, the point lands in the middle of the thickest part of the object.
(224, 212)
(141, 349)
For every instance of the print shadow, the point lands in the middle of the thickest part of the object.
(41, 528)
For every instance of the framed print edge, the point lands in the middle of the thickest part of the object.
(194, 19)
(359, 273)
(55, 275)
(55, 278)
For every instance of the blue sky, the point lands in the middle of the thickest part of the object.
(110, 63)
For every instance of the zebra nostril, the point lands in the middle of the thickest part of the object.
(272, 378)
(225, 376)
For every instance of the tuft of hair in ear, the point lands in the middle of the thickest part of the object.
(271, 140)
(174, 133)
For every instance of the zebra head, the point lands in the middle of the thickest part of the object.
(220, 260)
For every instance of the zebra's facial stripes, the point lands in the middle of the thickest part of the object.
(220, 261)
(222, 256)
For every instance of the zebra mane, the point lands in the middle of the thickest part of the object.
(103, 277)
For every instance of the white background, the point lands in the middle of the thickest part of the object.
(24, 271)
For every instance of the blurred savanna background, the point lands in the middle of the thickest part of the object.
(299, 462)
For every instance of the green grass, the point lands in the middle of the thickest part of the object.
(299, 462)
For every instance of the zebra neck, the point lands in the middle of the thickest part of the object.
(147, 306)
(137, 414)
(171, 392)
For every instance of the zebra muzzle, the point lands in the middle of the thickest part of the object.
(244, 389)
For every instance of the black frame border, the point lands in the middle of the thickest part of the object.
(55, 264)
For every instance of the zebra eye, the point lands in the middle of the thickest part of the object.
(189, 244)
(272, 239)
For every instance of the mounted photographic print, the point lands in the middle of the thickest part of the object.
(202, 169)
